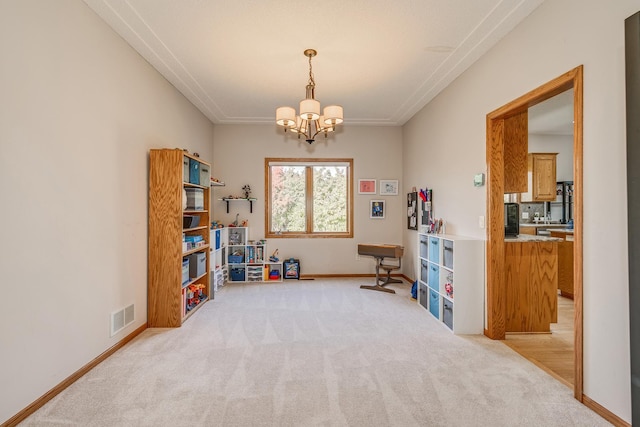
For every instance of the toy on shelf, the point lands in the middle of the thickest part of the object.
(274, 257)
(247, 191)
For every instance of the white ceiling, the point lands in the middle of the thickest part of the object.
(382, 60)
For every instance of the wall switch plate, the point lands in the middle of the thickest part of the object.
(481, 221)
(525, 215)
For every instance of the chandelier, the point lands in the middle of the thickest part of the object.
(309, 122)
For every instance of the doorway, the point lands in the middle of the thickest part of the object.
(495, 264)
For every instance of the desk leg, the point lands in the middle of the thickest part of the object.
(377, 286)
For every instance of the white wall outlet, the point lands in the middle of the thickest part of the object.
(481, 221)
(525, 215)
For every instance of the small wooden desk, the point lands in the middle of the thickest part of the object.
(380, 252)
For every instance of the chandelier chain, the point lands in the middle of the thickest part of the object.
(311, 80)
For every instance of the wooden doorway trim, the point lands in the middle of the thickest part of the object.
(496, 282)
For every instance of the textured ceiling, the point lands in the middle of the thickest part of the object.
(382, 60)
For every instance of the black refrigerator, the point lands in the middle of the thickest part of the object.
(562, 208)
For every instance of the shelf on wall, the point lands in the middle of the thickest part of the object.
(231, 199)
(217, 184)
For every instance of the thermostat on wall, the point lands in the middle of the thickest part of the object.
(478, 180)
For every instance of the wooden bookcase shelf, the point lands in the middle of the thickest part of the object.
(171, 298)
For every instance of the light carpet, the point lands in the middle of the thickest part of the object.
(309, 353)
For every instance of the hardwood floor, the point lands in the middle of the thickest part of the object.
(551, 352)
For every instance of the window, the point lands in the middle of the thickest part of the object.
(309, 197)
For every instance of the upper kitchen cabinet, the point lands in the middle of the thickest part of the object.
(516, 130)
(541, 178)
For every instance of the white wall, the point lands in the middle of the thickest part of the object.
(79, 111)
(444, 145)
(239, 153)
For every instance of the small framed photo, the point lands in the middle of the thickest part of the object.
(376, 209)
(388, 187)
(366, 186)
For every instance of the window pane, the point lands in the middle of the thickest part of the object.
(288, 211)
(329, 199)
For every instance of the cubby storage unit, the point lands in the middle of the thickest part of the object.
(219, 271)
(178, 268)
(451, 274)
(248, 261)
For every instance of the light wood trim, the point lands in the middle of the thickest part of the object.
(578, 203)
(308, 202)
(496, 287)
(42, 400)
(516, 149)
(496, 291)
(604, 412)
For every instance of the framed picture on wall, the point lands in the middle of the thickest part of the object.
(366, 186)
(388, 187)
(376, 209)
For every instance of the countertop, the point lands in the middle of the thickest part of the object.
(530, 238)
(540, 224)
(563, 230)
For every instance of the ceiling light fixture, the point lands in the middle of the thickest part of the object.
(310, 122)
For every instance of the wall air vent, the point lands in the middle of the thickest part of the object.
(122, 318)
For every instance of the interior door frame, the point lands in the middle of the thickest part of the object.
(496, 281)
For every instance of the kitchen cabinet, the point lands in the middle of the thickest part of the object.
(528, 230)
(541, 178)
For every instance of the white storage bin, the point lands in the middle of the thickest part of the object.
(195, 198)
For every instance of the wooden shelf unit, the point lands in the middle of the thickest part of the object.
(166, 302)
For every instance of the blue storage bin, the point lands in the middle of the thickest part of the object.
(434, 249)
(237, 274)
(194, 171)
(217, 234)
(434, 277)
(235, 259)
(434, 303)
